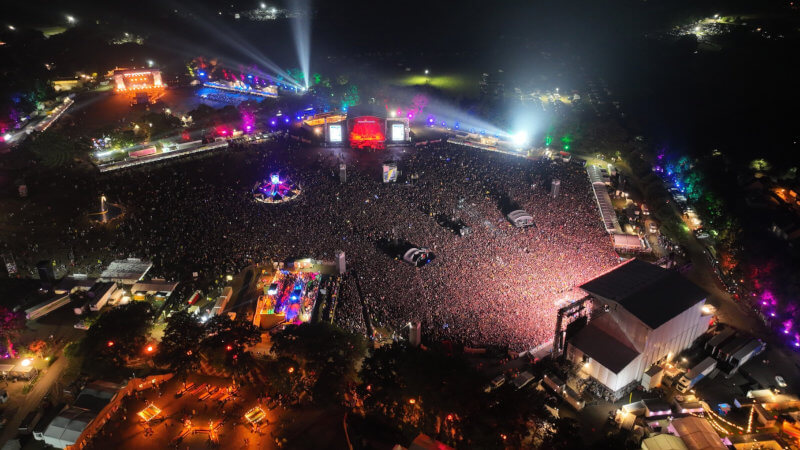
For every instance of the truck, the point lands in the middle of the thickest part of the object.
(746, 353)
(716, 342)
(696, 373)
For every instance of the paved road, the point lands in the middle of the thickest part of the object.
(34, 397)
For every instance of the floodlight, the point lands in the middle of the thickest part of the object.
(520, 138)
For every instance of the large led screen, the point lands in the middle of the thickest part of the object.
(398, 132)
(335, 133)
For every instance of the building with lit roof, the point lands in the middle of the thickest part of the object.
(643, 315)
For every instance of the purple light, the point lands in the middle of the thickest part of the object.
(772, 314)
(275, 179)
(272, 122)
(797, 344)
(286, 120)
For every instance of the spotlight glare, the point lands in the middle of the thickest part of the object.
(520, 138)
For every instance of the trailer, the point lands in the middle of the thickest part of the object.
(731, 347)
(746, 353)
(713, 345)
(696, 373)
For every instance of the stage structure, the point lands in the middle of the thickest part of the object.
(367, 132)
(275, 190)
(397, 130)
(369, 127)
(142, 86)
(569, 320)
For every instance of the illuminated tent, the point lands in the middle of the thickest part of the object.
(149, 413)
(255, 415)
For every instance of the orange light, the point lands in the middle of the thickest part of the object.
(449, 417)
(149, 348)
(291, 369)
(110, 343)
(411, 401)
(229, 347)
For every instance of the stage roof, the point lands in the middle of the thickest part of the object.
(367, 109)
(608, 351)
(651, 293)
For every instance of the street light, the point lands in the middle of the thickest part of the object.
(11, 27)
(263, 6)
(427, 71)
(70, 19)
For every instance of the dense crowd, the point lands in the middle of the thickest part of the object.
(498, 285)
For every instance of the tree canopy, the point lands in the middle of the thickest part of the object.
(119, 333)
(180, 346)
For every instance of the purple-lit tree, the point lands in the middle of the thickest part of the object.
(11, 324)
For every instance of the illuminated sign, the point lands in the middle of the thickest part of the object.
(389, 173)
(335, 133)
(398, 132)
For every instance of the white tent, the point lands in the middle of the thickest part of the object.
(65, 429)
(520, 218)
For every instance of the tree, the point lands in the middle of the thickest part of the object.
(11, 324)
(226, 340)
(38, 347)
(443, 396)
(328, 356)
(119, 334)
(180, 347)
(283, 375)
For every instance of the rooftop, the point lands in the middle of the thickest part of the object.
(607, 350)
(154, 286)
(651, 293)
(126, 269)
(697, 434)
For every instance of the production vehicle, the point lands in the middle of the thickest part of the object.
(695, 374)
